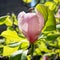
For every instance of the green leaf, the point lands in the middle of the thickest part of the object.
(24, 55)
(16, 55)
(14, 19)
(19, 55)
(7, 51)
(58, 27)
(8, 21)
(27, 1)
(51, 22)
(12, 45)
(50, 5)
(22, 44)
(11, 36)
(56, 1)
(2, 19)
(43, 10)
(1, 50)
(52, 37)
(5, 20)
(42, 1)
(43, 47)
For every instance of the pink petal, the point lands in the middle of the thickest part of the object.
(31, 25)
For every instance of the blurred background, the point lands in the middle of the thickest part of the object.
(15, 6)
(11, 6)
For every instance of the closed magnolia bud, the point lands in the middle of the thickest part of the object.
(31, 24)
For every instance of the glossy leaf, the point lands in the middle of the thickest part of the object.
(7, 51)
(27, 1)
(11, 36)
(42, 1)
(5, 20)
(1, 50)
(2, 19)
(50, 5)
(12, 45)
(43, 10)
(23, 44)
(51, 22)
(56, 1)
(8, 21)
(43, 47)
(14, 18)
(58, 27)
(19, 55)
(24, 55)
(52, 36)
(16, 55)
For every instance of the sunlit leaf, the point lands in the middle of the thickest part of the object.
(50, 5)
(58, 27)
(27, 1)
(8, 21)
(24, 55)
(14, 19)
(43, 47)
(11, 36)
(42, 1)
(56, 1)
(57, 51)
(1, 50)
(19, 55)
(2, 19)
(28, 57)
(51, 22)
(2, 41)
(37, 51)
(12, 45)
(52, 37)
(58, 40)
(5, 20)
(42, 9)
(16, 55)
(23, 44)
(7, 51)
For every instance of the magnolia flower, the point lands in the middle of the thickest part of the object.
(31, 24)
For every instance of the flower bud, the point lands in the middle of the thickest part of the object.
(31, 24)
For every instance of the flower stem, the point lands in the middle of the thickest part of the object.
(32, 50)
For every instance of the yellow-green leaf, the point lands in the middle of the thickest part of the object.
(56, 1)
(43, 10)
(27, 1)
(50, 5)
(7, 51)
(43, 47)
(8, 21)
(11, 36)
(14, 19)
(51, 22)
(2, 19)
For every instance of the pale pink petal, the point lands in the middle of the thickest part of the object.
(31, 25)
